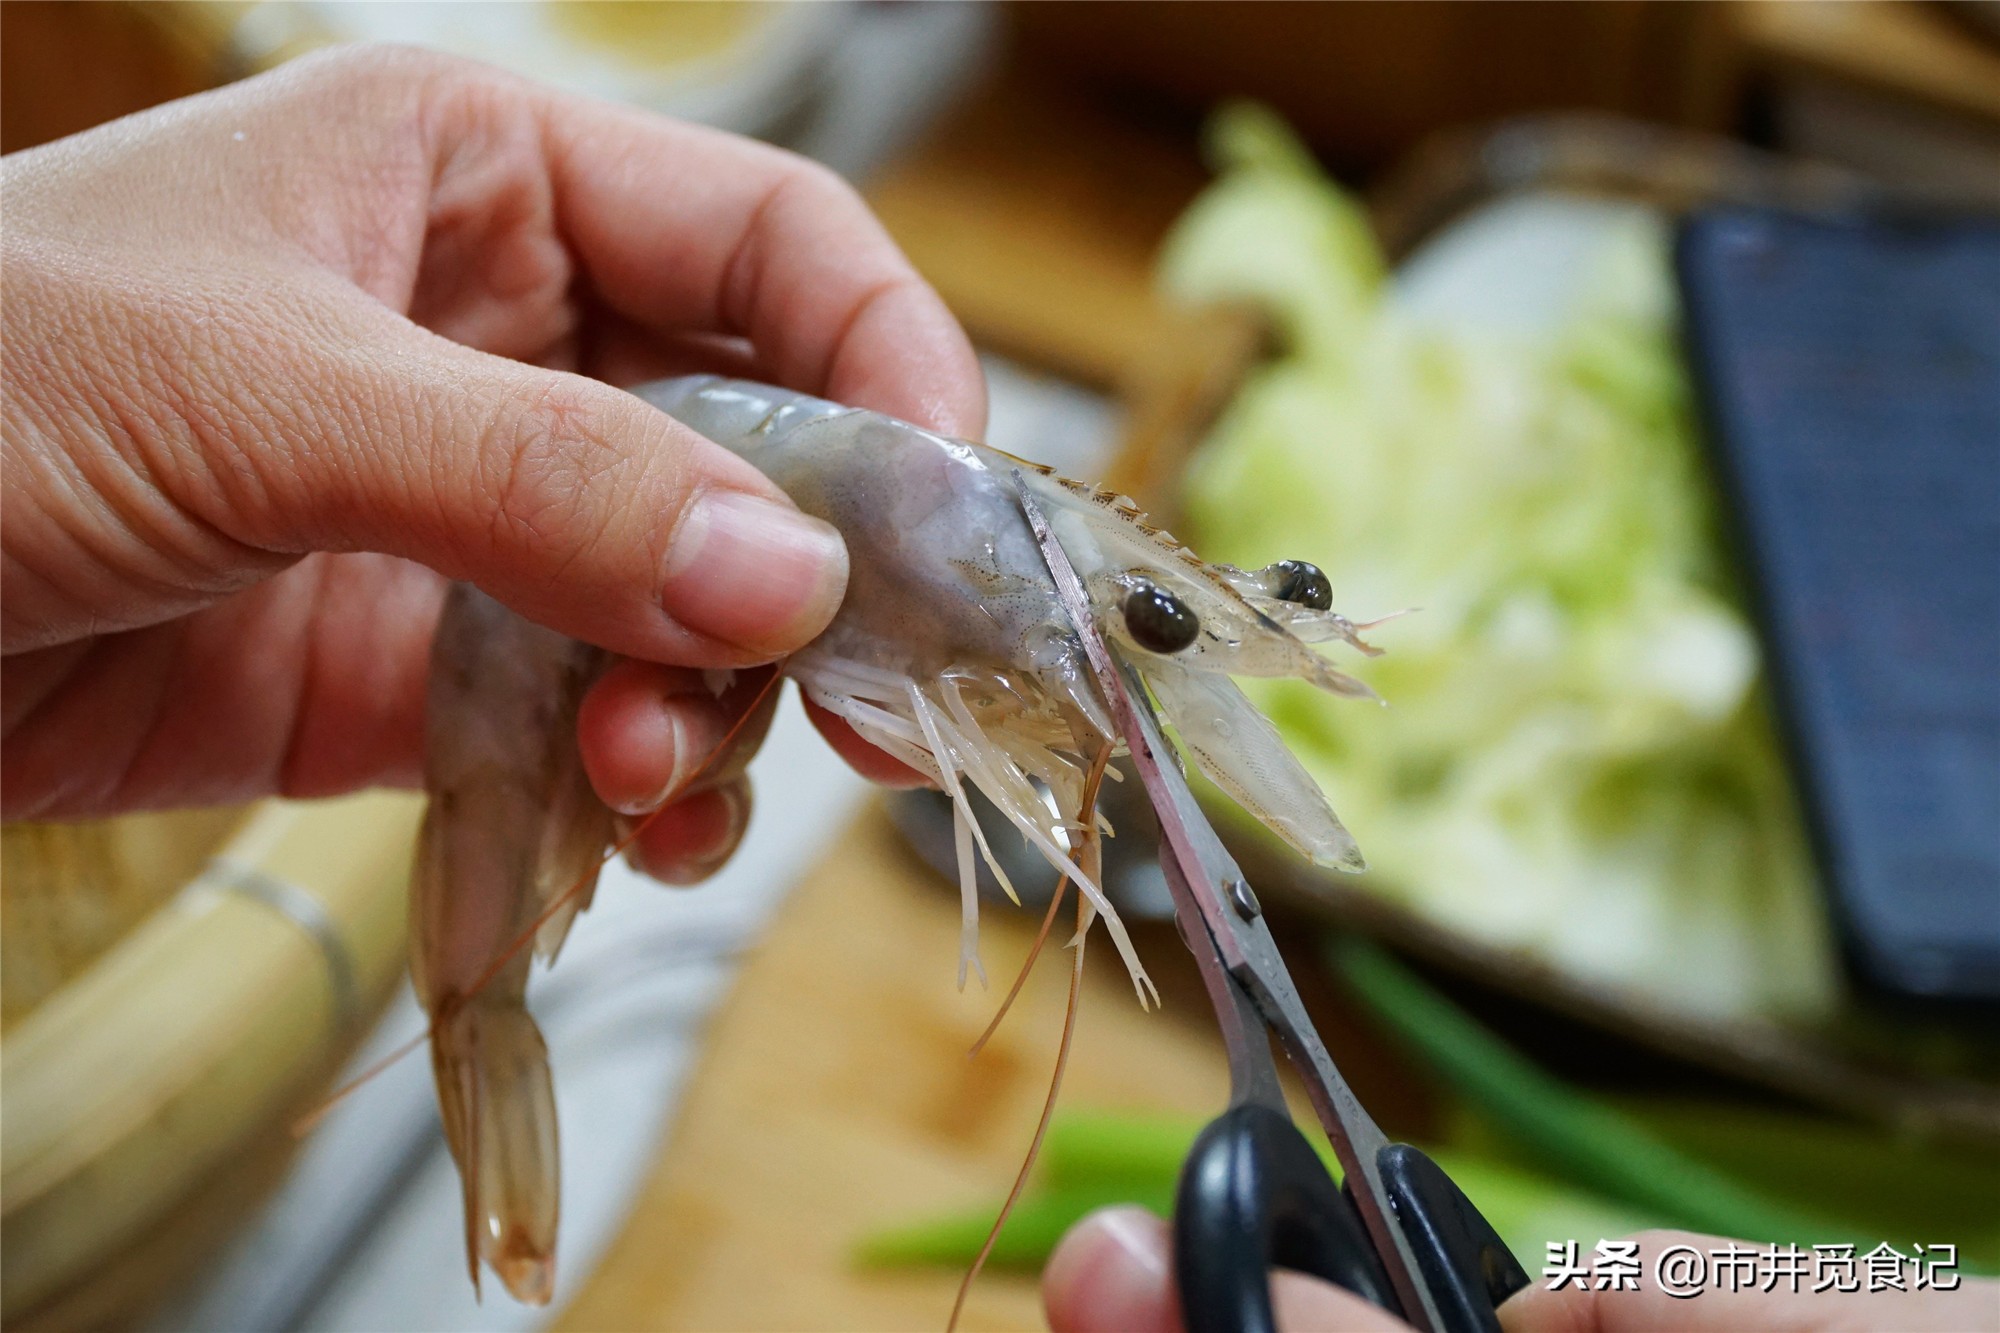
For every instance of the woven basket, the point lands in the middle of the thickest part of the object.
(186, 1046)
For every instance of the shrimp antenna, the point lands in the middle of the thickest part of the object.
(1086, 837)
(1041, 1128)
(1027, 966)
(304, 1123)
(1090, 788)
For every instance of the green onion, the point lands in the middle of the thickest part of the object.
(1563, 1130)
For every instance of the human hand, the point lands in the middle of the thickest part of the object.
(276, 354)
(1113, 1274)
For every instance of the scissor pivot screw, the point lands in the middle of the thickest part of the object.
(1244, 900)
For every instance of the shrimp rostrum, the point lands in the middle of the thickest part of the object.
(951, 651)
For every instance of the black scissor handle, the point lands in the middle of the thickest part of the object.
(1253, 1194)
(1461, 1259)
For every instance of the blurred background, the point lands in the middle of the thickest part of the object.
(1650, 351)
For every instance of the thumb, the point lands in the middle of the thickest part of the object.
(577, 504)
(1113, 1273)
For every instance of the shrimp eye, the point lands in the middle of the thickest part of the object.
(1157, 621)
(1303, 583)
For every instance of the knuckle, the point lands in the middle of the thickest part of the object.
(1653, 1239)
(374, 77)
(371, 64)
(569, 479)
(820, 185)
(555, 466)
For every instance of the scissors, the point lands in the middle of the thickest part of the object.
(1253, 1193)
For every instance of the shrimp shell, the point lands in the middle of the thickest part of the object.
(511, 826)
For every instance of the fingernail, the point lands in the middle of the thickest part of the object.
(684, 761)
(720, 818)
(1139, 1240)
(754, 573)
(1110, 1273)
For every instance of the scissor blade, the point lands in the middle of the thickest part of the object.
(1188, 838)
(1221, 905)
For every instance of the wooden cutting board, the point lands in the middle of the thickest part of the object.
(835, 1097)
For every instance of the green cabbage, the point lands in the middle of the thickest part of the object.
(1575, 761)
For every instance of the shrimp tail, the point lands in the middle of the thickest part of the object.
(507, 856)
(499, 1107)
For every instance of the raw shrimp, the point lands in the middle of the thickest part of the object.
(511, 826)
(951, 651)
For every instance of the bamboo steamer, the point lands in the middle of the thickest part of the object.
(145, 1104)
(74, 890)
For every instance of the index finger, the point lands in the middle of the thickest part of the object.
(683, 228)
